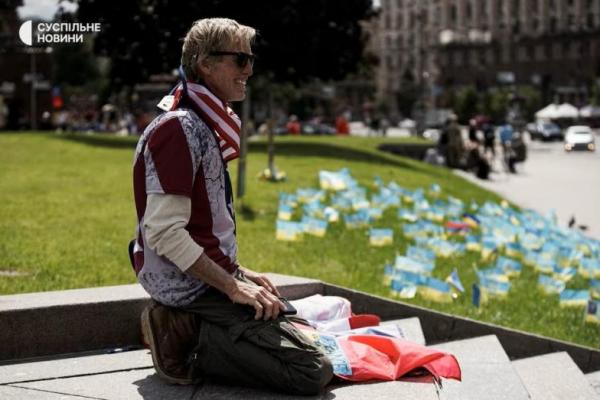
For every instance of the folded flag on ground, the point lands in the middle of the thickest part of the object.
(375, 213)
(494, 273)
(589, 268)
(289, 231)
(288, 198)
(435, 190)
(511, 267)
(407, 215)
(471, 220)
(457, 226)
(574, 298)
(314, 209)
(550, 285)
(331, 214)
(314, 226)
(493, 287)
(422, 255)
(381, 237)
(563, 274)
(360, 219)
(512, 249)
(308, 195)
(473, 243)
(408, 264)
(403, 290)
(285, 212)
(592, 312)
(595, 288)
(435, 290)
(336, 181)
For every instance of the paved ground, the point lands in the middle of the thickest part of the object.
(550, 179)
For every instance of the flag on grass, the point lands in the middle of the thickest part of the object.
(454, 280)
(592, 312)
(574, 298)
(289, 231)
(381, 237)
(550, 285)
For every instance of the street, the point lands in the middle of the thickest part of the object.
(550, 179)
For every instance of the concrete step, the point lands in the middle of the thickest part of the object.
(553, 376)
(130, 375)
(409, 328)
(144, 384)
(594, 379)
(74, 366)
(486, 371)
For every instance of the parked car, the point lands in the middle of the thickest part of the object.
(546, 131)
(580, 137)
(311, 128)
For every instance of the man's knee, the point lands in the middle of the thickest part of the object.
(311, 381)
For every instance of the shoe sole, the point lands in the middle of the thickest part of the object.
(150, 339)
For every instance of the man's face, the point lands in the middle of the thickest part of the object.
(224, 77)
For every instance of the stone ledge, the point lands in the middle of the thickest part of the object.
(80, 320)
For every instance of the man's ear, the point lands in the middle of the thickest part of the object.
(204, 66)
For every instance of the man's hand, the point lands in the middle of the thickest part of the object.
(266, 304)
(260, 279)
(259, 293)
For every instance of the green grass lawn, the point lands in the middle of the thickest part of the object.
(67, 214)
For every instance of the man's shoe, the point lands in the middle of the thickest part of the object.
(171, 335)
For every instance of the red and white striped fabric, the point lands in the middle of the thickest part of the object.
(217, 114)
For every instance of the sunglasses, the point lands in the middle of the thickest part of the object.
(241, 59)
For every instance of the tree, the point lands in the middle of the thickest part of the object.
(467, 104)
(595, 99)
(298, 39)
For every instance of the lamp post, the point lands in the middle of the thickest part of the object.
(32, 78)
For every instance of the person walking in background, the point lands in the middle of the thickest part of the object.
(293, 126)
(489, 139)
(455, 143)
(508, 154)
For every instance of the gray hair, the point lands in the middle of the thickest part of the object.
(208, 35)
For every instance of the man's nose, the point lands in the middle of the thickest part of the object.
(248, 69)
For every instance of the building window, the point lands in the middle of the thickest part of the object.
(553, 24)
(557, 51)
(458, 58)
(590, 20)
(540, 53)
(489, 55)
(453, 15)
(522, 55)
(469, 12)
(548, 51)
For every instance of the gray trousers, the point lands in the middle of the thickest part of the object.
(235, 349)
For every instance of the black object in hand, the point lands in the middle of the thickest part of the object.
(289, 308)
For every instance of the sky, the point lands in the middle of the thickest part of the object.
(44, 9)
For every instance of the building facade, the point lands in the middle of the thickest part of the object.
(437, 45)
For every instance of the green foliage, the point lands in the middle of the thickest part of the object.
(297, 39)
(67, 215)
(467, 104)
(595, 99)
(533, 101)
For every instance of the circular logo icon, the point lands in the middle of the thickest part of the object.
(25, 33)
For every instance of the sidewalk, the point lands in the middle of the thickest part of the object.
(550, 179)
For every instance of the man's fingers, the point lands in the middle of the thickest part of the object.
(259, 310)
